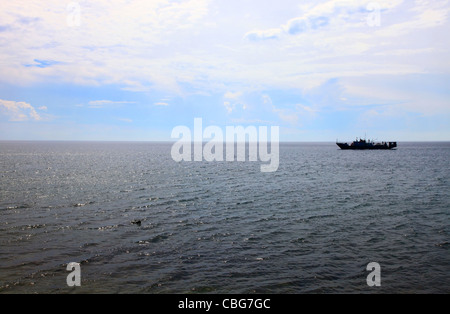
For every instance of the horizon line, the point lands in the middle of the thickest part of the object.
(224, 142)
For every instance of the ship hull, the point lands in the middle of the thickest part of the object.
(367, 146)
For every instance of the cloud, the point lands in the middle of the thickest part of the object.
(18, 111)
(178, 46)
(94, 52)
(423, 15)
(231, 95)
(266, 99)
(232, 99)
(425, 95)
(318, 15)
(4, 28)
(256, 35)
(43, 108)
(252, 121)
(125, 120)
(104, 103)
(42, 63)
(294, 26)
(318, 22)
(186, 48)
(296, 114)
(343, 8)
(229, 106)
(287, 115)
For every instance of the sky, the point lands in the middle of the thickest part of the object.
(125, 70)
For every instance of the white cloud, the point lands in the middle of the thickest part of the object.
(229, 106)
(252, 121)
(193, 46)
(296, 114)
(116, 43)
(405, 93)
(18, 111)
(231, 95)
(232, 99)
(255, 35)
(342, 8)
(287, 115)
(294, 26)
(161, 104)
(125, 120)
(266, 99)
(103, 103)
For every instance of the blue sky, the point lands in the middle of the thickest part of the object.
(133, 70)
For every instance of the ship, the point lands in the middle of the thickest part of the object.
(362, 144)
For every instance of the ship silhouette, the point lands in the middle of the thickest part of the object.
(362, 144)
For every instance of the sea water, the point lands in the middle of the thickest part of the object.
(136, 221)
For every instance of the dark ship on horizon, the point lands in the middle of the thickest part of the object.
(363, 144)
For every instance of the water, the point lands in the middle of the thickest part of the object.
(223, 227)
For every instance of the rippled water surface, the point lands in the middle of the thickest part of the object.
(223, 227)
